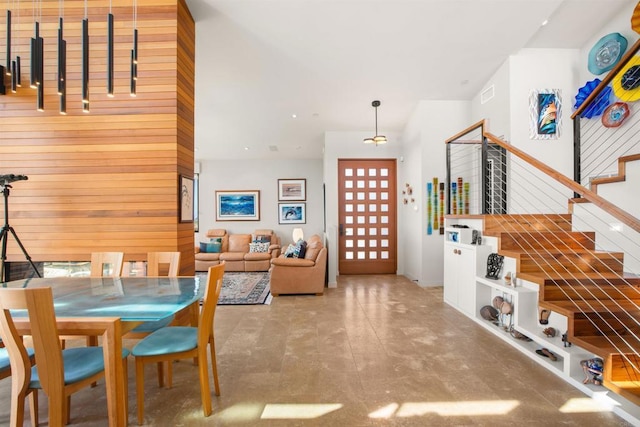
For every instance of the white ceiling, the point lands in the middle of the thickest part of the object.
(260, 61)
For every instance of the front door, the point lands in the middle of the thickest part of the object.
(367, 232)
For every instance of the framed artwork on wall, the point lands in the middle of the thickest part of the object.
(238, 205)
(186, 199)
(292, 189)
(545, 114)
(292, 213)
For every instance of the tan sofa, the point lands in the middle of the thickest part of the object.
(300, 275)
(235, 252)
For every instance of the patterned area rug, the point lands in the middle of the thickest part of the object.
(243, 288)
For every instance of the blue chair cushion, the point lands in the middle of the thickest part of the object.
(173, 339)
(79, 363)
(4, 358)
(153, 326)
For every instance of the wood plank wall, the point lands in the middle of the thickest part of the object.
(105, 180)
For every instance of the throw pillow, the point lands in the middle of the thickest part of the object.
(259, 247)
(291, 249)
(214, 247)
(203, 247)
(301, 248)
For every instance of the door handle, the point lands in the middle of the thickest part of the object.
(341, 229)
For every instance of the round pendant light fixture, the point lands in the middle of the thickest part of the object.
(377, 139)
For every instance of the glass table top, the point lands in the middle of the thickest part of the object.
(130, 298)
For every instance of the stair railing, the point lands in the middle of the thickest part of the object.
(535, 188)
(597, 147)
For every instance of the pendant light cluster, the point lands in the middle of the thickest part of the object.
(377, 139)
(12, 68)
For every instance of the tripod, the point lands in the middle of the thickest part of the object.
(4, 237)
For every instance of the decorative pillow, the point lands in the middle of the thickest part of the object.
(259, 247)
(211, 247)
(296, 251)
(291, 249)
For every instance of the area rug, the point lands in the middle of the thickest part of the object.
(243, 288)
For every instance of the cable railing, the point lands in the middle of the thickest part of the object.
(605, 127)
(587, 248)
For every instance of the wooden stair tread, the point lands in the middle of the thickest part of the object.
(568, 308)
(602, 346)
(541, 277)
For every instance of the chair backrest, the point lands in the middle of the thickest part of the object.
(106, 261)
(210, 302)
(163, 263)
(39, 305)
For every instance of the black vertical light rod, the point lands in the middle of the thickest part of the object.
(34, 56)
(60, 55)
(8, 70)
(3, 88)
(110, 55)
(14, 77)
(40, 72)
(18, 72)
(85, 61)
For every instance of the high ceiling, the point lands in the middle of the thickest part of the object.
(259, 62)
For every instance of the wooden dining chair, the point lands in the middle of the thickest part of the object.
(184, 342)
(59, 373)
(109, 262)
(163, 264)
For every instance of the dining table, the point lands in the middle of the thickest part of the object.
(81, 302)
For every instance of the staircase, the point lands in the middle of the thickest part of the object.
(589, 287)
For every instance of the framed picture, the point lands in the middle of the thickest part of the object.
(545, 114)
(292, 189)
(292, 213)
(238, 205)
(186, 199)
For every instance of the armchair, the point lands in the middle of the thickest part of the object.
(300, 275)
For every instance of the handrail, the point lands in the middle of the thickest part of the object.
(482, 123)
(587, 194)
(608, 78)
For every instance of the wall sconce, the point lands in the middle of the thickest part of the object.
(297, 234)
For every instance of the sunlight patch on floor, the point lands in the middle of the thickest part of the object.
(599, 402)
(240, 412)
(448, 409)
(297, 411)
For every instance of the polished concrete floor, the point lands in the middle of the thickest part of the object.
(376, 351)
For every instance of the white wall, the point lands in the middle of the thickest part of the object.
(349, 145)
(260, 175)
(496, 109)
(424, 153)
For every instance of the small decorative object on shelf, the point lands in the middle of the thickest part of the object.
(507, 278)
(592, 370)
(547, 353)
(565, 340)
(549, 332)
(489, 313)
(494, 265)
(544, 317)
(519, 335)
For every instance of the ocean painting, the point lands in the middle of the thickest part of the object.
(238, 205)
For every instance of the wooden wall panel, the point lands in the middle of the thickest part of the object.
(106, 180)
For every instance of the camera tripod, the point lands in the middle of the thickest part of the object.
(4, 237)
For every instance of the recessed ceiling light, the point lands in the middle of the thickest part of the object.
(545, 22)
(246, 148)
(294, 116)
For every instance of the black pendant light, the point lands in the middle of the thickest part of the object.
(110, 52)
(85, 61)
(62, 61)
(8, 66)
(134, 51)
(377, 139)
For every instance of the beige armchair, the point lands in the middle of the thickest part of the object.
(300, 275)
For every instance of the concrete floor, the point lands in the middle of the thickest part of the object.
(376, 351)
